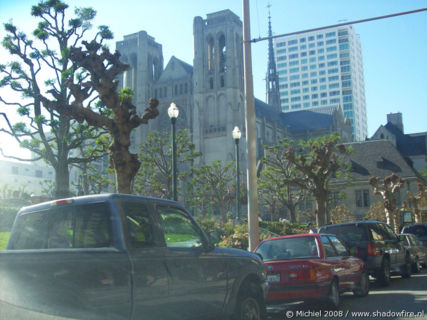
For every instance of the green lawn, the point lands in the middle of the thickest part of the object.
(4, 238)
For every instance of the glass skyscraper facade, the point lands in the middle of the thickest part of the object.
(323, 68)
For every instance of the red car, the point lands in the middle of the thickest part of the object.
(307, 266)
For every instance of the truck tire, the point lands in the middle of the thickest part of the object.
(333, 299)
(362, 288)
(416, 266)
(249, 304)
(406, 268)
(383, 276)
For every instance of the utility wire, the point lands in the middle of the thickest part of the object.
(339, 25)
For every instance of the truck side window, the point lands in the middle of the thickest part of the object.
(178, 229)
(329, 249)
(60, 233)
(92, 226)
(139, 224)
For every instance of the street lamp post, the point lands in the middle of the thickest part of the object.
(236, 136)
(173, 113)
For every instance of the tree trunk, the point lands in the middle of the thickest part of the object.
(292, 213)
(389, 217)
(126, 166)
(223, 213)
(320, 211)
(62, 180)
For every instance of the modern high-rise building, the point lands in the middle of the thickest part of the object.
(323, 68)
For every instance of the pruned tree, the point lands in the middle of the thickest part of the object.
(274, 184)
(318, 160)
(155, 175)
(38, 75)
(100, 69)
(213, 184)
(388, 189)
(417, 199)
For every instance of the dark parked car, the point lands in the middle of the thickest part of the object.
(377, 245)
(417, 251)
(419, 229)
(311, 266)
(124, 257)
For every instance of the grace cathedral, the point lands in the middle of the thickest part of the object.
(210, 94)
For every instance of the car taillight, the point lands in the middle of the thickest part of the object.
(307, 274)
(373, 250)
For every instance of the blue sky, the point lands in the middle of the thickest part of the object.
(394, 50)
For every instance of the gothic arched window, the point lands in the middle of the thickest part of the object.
(211, 54)
(222, 54)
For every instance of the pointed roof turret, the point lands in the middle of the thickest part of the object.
(272, 79)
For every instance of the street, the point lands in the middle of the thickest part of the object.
(403, 299)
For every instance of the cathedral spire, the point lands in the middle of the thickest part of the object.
(272, 79)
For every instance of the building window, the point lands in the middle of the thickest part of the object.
(39, 174)
(223, 54)
(345, 69)
(15, 170)
(348, 106)
(362, 198)
(331, 34)
(291, 42)
(344, 46)
(211, 54)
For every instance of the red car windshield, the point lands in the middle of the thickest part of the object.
(289, 249)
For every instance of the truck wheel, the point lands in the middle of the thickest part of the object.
(383, 276)
(406, 268)
(416, 266)
(333, 299)
(248, 304)
(362, 289)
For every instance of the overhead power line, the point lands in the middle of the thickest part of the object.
(340, 24)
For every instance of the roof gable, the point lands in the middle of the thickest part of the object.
(175, 70)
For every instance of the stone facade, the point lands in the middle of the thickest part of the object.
(210, 94)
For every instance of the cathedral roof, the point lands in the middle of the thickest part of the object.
(176, 69)
(298, 121)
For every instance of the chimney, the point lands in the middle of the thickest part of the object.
(396, 119)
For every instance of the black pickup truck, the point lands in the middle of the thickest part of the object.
(124, 257)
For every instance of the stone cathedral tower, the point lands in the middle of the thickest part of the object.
(145, 58)
(218, 85)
